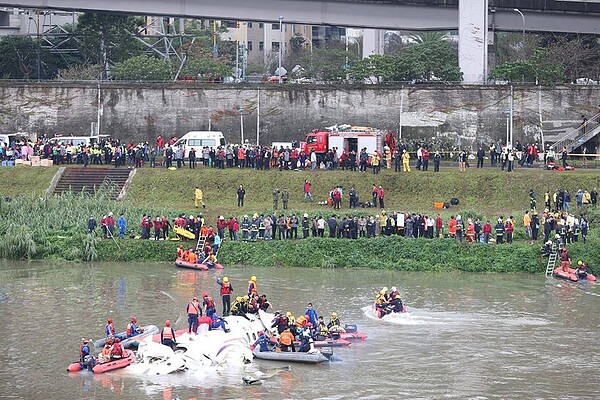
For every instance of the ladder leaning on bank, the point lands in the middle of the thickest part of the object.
(551, 261)
(200, 244)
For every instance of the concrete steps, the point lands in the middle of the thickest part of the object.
(90, 180)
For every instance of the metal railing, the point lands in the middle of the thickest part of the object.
(571, 139)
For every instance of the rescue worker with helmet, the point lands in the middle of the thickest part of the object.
(86, 358)
(167, 335)
(208, 304)
(133, 328)
(217, 322)
(116, 353)
(236, 307)
(109, 328)
(194, 312)
(252, 287)
(582, 270)
(335, 324)
(225, 291)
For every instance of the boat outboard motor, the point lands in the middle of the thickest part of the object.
(351, 328)
(327, 352)
(89, 362)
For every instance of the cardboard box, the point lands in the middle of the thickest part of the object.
(47, 162)
(19, 161)
(28, 163)
(35, 159)
(35, 163)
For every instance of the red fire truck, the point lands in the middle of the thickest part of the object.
(347, 137)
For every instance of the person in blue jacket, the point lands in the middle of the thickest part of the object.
(122, 226)
(313, 317)
(263, 342)
(218, 322)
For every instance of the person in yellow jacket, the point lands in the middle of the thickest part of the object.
(199, 198)
(405, 161)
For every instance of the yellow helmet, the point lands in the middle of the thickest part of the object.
(333, 314)
(246, 297)
(253, 278)
(288, 314)
(238, 299)
(579, 262)
(385, 289)
(225, 279)
(382, 291)
(398, 296)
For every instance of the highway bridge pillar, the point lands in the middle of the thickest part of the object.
(373, 41)
(472, 40)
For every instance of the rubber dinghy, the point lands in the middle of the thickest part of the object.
(131, 342)
(571, 275)
(297, 357)
(128, 358)
(203, 267)
(380, 313)
(352, 334)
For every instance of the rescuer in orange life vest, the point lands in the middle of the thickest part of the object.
(194, 312)
(117, 350)
(167, 335)
(209, 305)
(133, 328)
(226, 291)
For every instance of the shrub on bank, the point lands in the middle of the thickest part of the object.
(386, 253)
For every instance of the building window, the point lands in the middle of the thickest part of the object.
(261, 46)
(275, 27)
(249, 46)
(249, 24)
(261, 25)
(274, 46)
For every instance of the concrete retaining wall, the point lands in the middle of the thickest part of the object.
(139, 112)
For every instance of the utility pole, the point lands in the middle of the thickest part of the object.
(280, 48)
(38, 56)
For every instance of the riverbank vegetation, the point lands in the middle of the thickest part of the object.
(36, 227)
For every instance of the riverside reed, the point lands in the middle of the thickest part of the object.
(35, 227)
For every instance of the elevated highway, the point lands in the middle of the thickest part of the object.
(568, 16)
(472, 18)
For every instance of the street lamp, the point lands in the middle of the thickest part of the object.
(523, 18)
(38, 60)
(280, 48)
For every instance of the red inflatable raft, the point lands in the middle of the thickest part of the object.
(203, 267)
(379, 312)
(571, 275)
(128, 358)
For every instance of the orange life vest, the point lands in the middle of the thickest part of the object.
(286, 338)
(167, 333)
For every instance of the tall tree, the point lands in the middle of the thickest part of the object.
(107, 38)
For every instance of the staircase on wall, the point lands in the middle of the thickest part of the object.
(578, 136)
(91, 180)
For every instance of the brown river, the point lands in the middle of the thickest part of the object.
(466, 336)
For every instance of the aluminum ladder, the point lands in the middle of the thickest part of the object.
(200, 244)
(551, 261)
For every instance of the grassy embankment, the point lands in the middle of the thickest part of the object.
(57, 227)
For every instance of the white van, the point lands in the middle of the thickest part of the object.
(76, 140)
(200, 139)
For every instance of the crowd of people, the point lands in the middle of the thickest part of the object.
(556, 218)
(164, 153)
